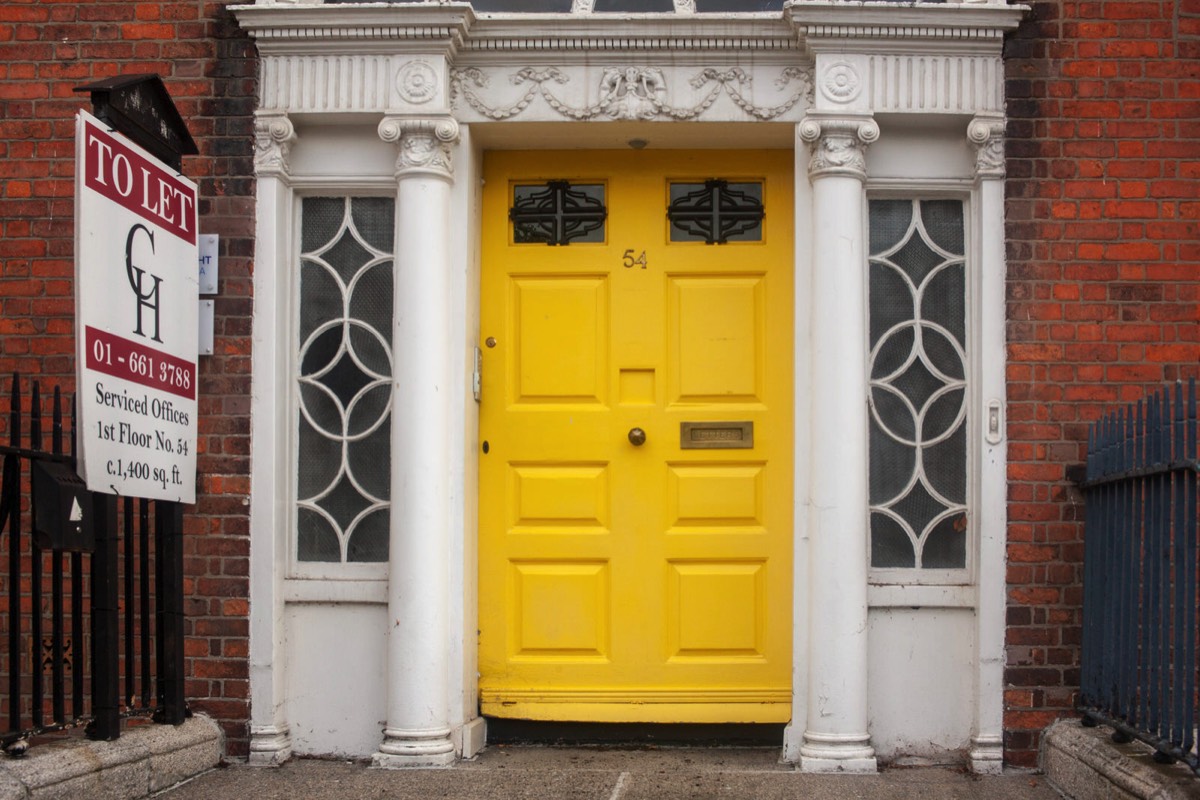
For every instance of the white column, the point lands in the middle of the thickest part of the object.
(836, 737)
(270, 740)
(986, 132)
(418, 633)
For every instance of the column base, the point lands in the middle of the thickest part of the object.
(414, 749)
(837, 752)
(270, 746)
(987, 755)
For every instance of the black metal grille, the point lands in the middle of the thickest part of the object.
(92, 636)
(558, 213)
(1138, 666)
(716, 212)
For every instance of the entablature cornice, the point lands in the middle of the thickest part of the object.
(942, 58)
(355, 28)
(882, 27)
(597, 35)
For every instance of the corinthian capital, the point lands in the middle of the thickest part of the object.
(273, 137)
(986, 132)
(425, 144)
(839, 144)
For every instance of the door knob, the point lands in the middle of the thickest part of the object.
(637, 437)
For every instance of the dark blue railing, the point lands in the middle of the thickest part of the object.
(1139, 581)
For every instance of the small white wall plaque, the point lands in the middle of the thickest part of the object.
(208, 246)
(206, 327)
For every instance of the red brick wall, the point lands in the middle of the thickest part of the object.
(1103, 290)
(47, 49)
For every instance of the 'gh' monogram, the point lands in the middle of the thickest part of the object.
(137, 276)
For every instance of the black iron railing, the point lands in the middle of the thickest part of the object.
(94, 633)
(1140, 580)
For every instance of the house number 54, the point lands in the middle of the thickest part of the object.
(630, 262)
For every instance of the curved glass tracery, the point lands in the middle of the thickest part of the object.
(345, 371)
(918, 390)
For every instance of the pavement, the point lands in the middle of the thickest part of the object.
(523, 772)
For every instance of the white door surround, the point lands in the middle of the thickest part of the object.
(876, 100)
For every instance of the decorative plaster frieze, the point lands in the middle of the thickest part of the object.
(425, 144)
(273, 137)
(941, 84)
(327, 83)
(839, 145)
(364, 83)
(627, 93)
(840, 82)
(417, 82)
(986, 132)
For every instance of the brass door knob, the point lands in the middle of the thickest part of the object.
(637, 437)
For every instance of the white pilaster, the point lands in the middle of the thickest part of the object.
(418, 635)
(836, 737)
(270, 740)
(986, 132)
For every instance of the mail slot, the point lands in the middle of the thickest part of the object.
(62, 512)
(716, 435)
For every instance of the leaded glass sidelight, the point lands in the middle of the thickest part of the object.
(918, 387)
(344, 385)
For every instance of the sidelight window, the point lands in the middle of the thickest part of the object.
(918, 385)
(345, 371)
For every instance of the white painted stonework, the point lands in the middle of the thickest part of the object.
(402, 100)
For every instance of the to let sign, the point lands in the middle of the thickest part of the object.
(136, 304)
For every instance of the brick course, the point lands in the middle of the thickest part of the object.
(1103, 290)
(209, 67)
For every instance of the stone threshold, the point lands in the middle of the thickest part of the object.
(145, 760)
(1084, 763)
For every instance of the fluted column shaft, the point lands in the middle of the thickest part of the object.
(418, 633)
(836, 737)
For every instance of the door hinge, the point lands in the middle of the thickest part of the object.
(477, 375)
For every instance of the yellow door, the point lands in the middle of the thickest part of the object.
(635, 559)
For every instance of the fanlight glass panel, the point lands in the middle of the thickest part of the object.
(557, 213)
(918, 400)
(345, 362)
(716, 212)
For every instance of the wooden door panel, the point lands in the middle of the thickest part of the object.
(622, 582)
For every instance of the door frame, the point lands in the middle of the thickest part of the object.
(411, 68)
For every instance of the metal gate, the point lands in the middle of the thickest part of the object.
(94, 615)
